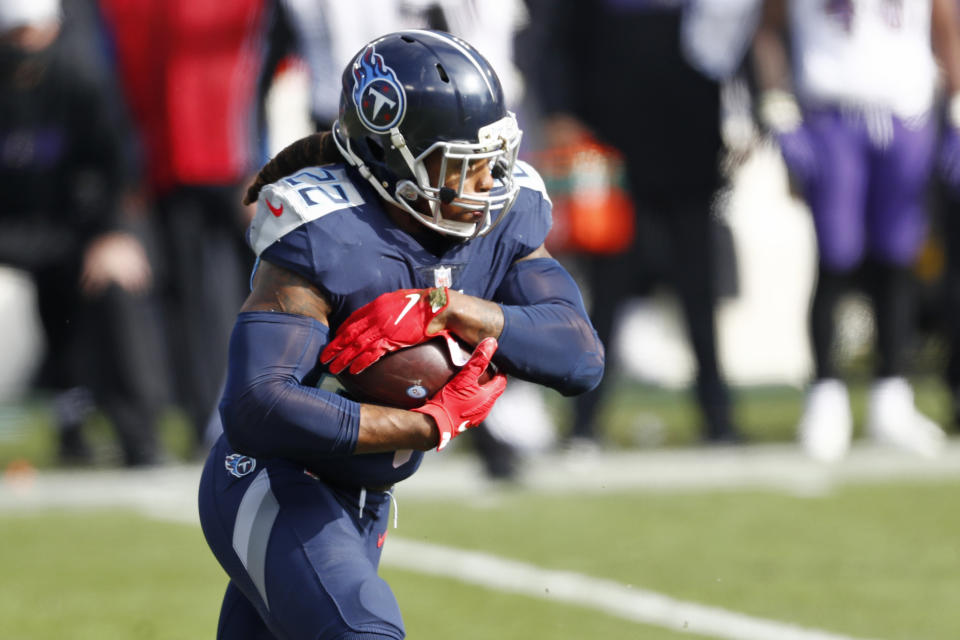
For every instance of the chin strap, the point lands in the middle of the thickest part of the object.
(346, 150)
(447, 195)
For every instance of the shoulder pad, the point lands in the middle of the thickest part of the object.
(529, 178)
(309, 194)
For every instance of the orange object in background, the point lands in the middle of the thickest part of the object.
(592, 211)
(20, 474)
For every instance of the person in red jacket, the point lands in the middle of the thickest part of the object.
(189, 70)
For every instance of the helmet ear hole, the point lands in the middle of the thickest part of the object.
(443, 73)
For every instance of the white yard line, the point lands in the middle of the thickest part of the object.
(619, 600)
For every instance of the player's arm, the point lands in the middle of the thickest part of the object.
(547, 336)
(538, 319)
(777, 106)
(770, 59)
(945, 37)
(267, 409)
(540, 323)
(472, 319)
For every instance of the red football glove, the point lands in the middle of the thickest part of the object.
(389, 322)
(463, 402)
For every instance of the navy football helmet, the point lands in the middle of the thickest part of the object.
(410, 94)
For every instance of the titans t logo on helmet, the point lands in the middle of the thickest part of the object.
(377, 93)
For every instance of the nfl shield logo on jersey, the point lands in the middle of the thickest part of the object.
(443, 277)
(240, 465)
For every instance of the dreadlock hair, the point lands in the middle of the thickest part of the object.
(315, 149)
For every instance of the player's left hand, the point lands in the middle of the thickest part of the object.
(391, 321)
(463, 402)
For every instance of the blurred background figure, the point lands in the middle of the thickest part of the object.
(325, 33)
(189, 71)
(946, 301)
(622, 73)
(850, 104)
(67, 219)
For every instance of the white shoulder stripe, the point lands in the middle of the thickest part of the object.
(309, 194)
(528, 177)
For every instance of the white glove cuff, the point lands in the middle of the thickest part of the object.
(779, 111)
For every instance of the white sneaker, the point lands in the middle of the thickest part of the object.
(894, 420)
(826, 427)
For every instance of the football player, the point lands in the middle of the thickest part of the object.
(854, 122)
(414, 218)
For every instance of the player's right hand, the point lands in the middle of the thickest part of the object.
(389, 322)
(463, 402)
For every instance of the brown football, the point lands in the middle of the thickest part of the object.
(408, 377)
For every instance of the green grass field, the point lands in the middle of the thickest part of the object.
(877, 562)
(874, 560)
(871, 562)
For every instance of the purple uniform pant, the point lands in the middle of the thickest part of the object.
(302, 560)
(868, 197)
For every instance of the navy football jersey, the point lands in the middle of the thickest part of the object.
(329, 226)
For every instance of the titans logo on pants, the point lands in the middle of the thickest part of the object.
(377, 92)
(239, 465)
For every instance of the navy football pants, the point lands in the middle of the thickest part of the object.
(302, 561)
